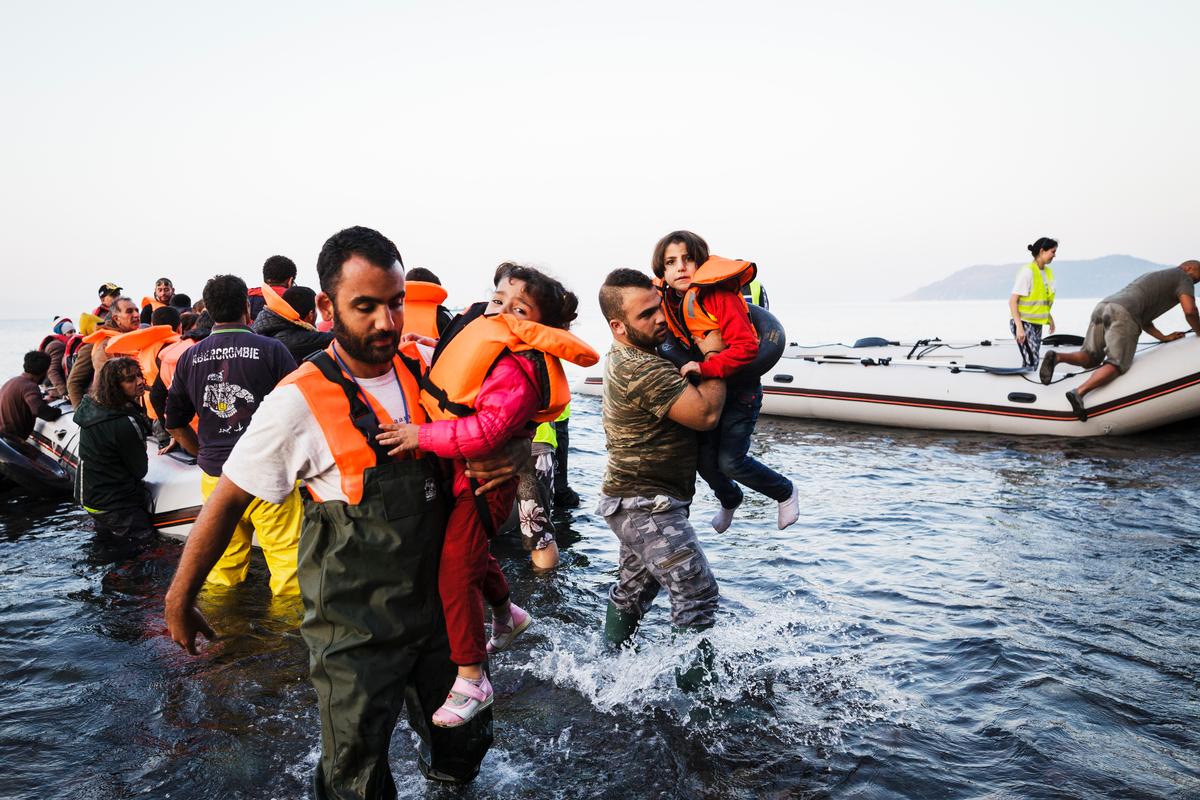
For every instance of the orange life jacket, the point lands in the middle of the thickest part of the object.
(276, 303)
(154, 304)
(421, 301)
(144, 344)
(468, 350)
(688, 319)
(169, 358)
(337, 406)
(100, 334)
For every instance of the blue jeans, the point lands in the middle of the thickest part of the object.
(723, 452)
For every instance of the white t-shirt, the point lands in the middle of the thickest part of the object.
(284, 443)
(1023, 285)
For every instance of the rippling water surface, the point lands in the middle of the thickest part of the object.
(955, 615)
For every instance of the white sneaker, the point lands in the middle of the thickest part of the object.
(789, 510)
(723, 519)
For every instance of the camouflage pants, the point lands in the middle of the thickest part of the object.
(659, 548)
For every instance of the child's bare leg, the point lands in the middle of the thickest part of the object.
(546, 558)
(471, 672)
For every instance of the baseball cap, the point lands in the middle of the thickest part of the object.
(109, 288)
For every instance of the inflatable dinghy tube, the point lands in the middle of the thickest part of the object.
(32, 470)
(772, 341)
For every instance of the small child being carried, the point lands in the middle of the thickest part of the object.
(493, 373)
(714, 320)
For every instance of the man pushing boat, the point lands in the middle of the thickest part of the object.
(1118, 321)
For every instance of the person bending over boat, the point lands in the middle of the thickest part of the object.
(21, 401)
(1117, 322)
(112, 454)
(651, 414)
(713, 320)
(372, 533)
(221, 382)
(1031, 299)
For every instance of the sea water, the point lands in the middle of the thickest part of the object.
(954, 615)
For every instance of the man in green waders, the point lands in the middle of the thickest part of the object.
(372, 535)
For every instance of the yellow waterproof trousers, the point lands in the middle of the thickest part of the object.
(278, 529)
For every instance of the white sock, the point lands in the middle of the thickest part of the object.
(723, 519)
(789, 510)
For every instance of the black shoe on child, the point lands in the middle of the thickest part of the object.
(1046, 373)
(1077, 405)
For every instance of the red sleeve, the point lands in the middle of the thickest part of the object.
(507, 401)
(741, 342)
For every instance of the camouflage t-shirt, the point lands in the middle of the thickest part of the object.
(648, 453)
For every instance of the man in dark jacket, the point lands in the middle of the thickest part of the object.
(112, 453)
(298, 335)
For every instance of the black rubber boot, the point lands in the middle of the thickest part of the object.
(564, 495)
(699, 671)
(619, 626)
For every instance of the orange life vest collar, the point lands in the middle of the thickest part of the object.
(336, 403)
(131, 342)
(276, 303)
(100, 334)
(421, 301)
(469, 350)
(154, 304)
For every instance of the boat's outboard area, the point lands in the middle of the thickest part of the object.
(32, 470)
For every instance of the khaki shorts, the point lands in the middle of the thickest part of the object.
(1112, 336)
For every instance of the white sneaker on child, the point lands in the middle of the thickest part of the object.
(723, 519)
(466, 699)
(505, 630)
(789, 510)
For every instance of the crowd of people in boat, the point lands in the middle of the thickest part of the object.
(376, 452)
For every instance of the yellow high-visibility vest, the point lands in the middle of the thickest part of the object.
(1034, 307)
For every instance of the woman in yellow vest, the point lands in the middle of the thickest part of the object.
(1031, 299)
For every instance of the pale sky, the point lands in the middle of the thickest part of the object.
(855, 149)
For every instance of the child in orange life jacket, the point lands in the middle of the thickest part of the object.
(480, 396)
(714, 320)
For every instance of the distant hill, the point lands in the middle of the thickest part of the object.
(1095, 277)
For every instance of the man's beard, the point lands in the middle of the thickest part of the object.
(375, 348)
(645, 342)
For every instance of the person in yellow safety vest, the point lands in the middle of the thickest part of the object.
(1031, 299)
(755, 294)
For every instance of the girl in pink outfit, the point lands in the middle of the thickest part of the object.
(510, 396)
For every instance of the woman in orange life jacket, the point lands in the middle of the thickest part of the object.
(483, 396)
(718, 310)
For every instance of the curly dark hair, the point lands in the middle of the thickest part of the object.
(108, 391)
(557, 306)
(278, 269)
(36, 362)
(366, 243)
(225, 298)
(697, 248)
